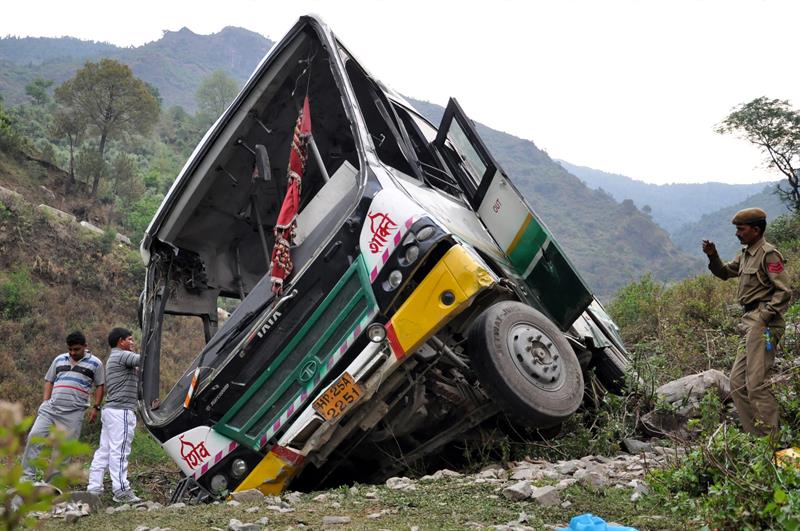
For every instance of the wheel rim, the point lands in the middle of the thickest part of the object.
(535, 356)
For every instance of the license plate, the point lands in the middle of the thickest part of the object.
(343, 393)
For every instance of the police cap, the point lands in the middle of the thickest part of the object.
(749, 215)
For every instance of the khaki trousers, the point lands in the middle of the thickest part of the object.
(752, 396)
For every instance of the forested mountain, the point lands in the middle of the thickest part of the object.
(673, 205)
(717, 226)
(175, 64)
(611, 243)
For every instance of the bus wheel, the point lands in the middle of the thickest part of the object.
(525, 364)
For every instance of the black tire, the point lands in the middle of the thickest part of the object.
(537, 380)
(610, 365)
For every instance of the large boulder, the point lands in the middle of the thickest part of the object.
(685, 394)
(683, 397)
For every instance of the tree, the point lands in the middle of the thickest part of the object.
(112, 102)
(216, 92)
(774, 126)
(72, 125)
(37, 90)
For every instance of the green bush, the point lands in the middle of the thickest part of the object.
(19, 497)
(17, 294)
(732, 481)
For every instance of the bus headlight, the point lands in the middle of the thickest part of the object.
(393, 281)
(238, 468)
(219, 483)
(411, 255)
(424, 233)
(376, 332)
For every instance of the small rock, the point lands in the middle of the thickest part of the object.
(71, 517)
(292, 498)
(177, 505)
(48, 192)
(279, 509)
(335, 520)
(565, 504)
(320, 498)
(153, 506)
(91, 228)
(373, 516)
(371, 495)
(251, 510)
(493, 472)
(594, 481)
(567, 468)
(525, 473)
(446, 473)
(403, 483)
(635, 496)
(414, 528)
(236, 525)
(248, 496)
(8, 193)
(634, 446)
(566, 482)
(233, 503)
(89, 499)
(262, 521)
(353, 491)
(546, 496)
(142, 528)
(518, 491)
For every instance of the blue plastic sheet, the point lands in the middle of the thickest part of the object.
(590, 522)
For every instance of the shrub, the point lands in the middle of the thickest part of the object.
(17, 294)
(19, 497)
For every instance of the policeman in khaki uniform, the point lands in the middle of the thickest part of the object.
(764, 295)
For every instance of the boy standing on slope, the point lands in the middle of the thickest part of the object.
(118, 418)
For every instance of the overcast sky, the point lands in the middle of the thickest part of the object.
(630, 87)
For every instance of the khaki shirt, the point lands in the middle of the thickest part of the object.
(762, 278)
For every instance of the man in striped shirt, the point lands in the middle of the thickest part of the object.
(67, 389)
(118, 417)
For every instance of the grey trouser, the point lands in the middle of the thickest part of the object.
(71, 423)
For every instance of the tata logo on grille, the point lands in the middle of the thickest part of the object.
(308, 371)
(381, 226)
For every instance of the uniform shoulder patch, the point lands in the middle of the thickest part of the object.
(775, 267)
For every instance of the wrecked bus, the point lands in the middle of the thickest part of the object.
(393, 290)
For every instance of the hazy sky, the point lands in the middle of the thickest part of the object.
(630, 87)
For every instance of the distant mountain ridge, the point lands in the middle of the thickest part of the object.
(673, 205)
(717, 226)
(175, 64)
(611, 244)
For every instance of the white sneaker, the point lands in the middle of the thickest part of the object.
(126, 496)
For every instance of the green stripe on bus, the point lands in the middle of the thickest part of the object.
(527, 245)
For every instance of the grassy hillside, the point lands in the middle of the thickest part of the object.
(175, 64)
(610, 243)
(673, 205)
(717, 226)
(56, 277)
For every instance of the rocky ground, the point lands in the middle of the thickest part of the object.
(518, 495)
